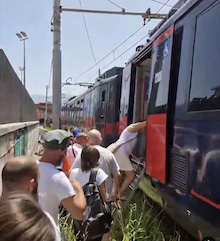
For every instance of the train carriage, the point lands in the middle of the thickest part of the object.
(175, 82)
(98, 107)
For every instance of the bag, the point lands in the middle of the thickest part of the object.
(98, 218)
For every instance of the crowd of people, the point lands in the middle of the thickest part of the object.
(73, 167)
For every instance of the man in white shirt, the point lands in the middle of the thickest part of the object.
(72, 151)
(123, 148)
(107, 163)
(54, 187)
(21, 174)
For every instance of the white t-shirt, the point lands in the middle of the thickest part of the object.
(76, 148)
(107, 163)
(56, 229)
(53, 187)
(127, 140)
(83, 177)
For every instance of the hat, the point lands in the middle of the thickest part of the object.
(81, 134)
(76, 132)
(56, 139)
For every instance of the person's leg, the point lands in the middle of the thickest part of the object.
(130, 175)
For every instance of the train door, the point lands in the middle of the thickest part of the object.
(101, 108)
(141, 94)
(157, 108)
(127, 97)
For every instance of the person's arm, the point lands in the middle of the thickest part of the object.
(71, 196)
(136, 127)
(115, 171)
(103, 192)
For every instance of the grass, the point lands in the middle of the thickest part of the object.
(136, 221)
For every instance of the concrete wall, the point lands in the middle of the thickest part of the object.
(16, 104)
(17, 139)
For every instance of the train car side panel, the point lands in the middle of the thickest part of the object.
(157, 121)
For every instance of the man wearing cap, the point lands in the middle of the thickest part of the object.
(74, 149)
(54, 187)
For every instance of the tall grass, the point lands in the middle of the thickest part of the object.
(136, 221)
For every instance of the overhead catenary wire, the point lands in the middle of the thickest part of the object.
(156, 1)
(123, 9)
(113, 51)
(87, 33)
(165, 4)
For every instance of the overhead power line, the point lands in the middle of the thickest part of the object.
(130, 46)
(87, 32)
(156, 1)
(123, 9)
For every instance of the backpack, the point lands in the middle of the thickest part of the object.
(98, 217)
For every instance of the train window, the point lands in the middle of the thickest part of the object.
(103, 96)
(160, 74)
(205, 83)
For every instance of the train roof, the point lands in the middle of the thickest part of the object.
(162, 26)
(98, 83)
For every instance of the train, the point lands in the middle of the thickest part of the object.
(173, 82)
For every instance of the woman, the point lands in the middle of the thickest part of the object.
(22, 219)
(89, 160)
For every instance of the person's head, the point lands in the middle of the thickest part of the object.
(71, 129)
(22, 219)
(89, 158)
(21, 174)
(82, 139)
(55, 146)
(94, 137)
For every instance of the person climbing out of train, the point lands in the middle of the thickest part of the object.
(72, 151)
(122, 149)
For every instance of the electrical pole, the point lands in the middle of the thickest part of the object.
(56, 111)
(46, 107)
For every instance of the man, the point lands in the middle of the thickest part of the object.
(107, 163)
(80, 142)
(122, 149)
(54, 187)
(20, 174)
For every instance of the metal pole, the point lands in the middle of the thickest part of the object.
(56, 66)
(146, 15)
(24, 65)
(46, 106)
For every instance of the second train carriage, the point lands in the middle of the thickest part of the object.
(98, 107)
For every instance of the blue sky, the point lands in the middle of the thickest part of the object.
(106, 33)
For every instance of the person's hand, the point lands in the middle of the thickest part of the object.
(77, 186)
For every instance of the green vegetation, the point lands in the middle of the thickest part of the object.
(136, 221)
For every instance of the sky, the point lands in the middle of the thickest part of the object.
(106, 33)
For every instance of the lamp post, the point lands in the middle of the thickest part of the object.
(23, 37)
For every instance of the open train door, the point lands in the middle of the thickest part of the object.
(157, 110)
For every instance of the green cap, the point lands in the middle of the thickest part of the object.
(56, 139)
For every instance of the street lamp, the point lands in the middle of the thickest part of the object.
(23, 37)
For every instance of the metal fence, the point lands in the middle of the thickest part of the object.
(16, 104)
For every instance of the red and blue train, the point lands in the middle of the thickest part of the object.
(173, 81)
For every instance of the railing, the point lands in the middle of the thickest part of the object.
(17, 139)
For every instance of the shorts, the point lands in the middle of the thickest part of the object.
(123, 162)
